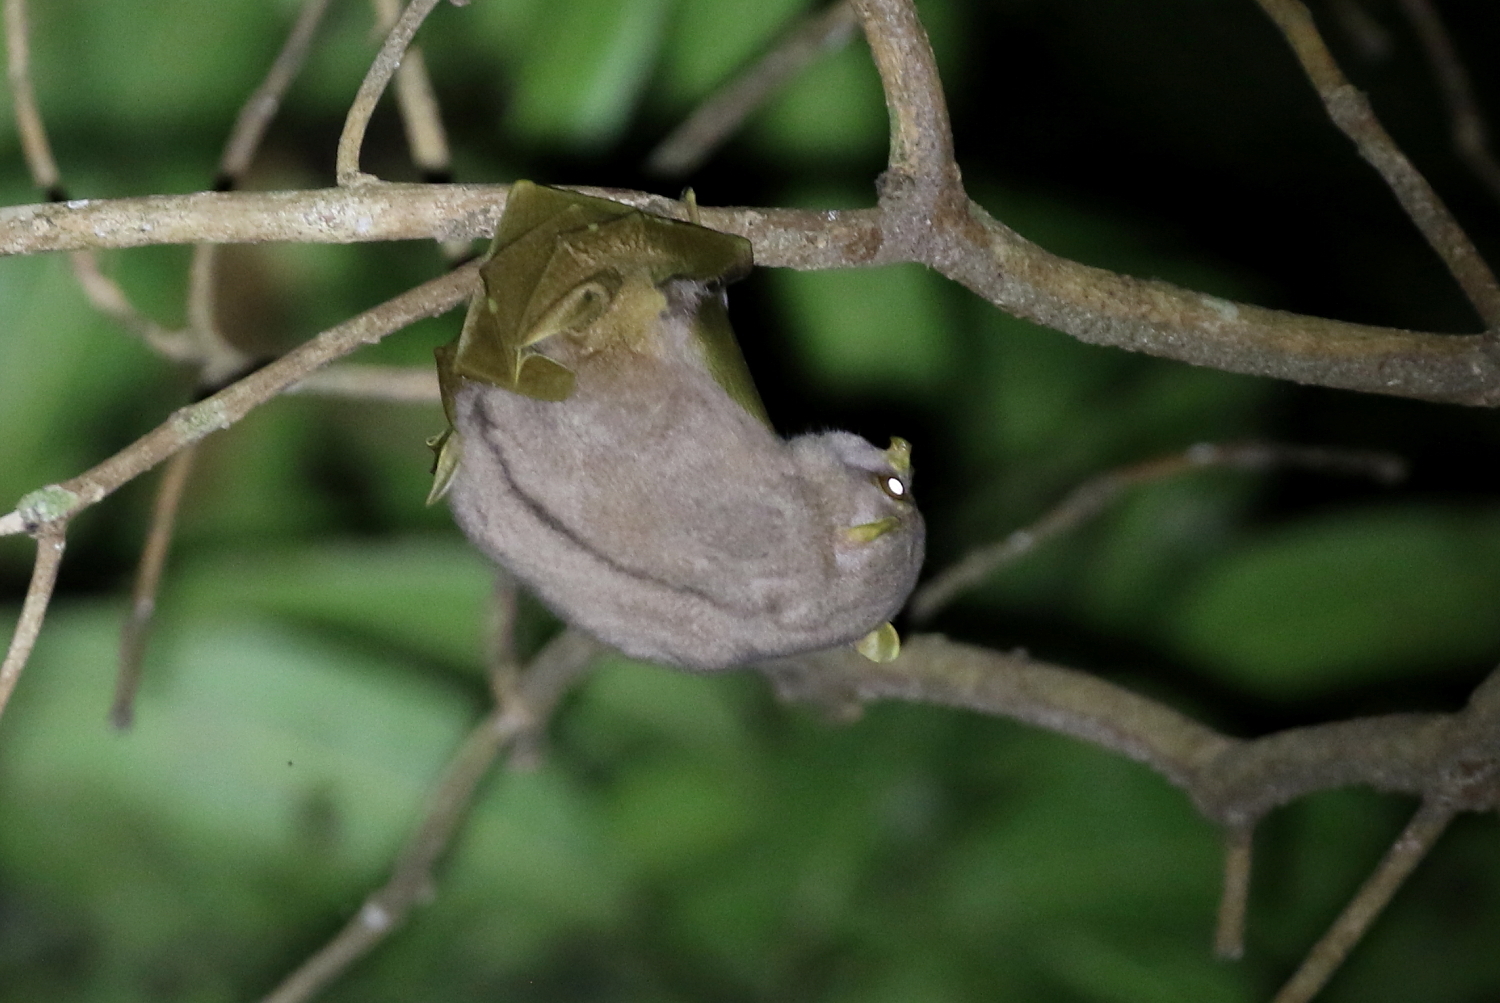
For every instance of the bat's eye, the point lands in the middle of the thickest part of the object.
(893, 486)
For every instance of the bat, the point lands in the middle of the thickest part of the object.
(607, 446)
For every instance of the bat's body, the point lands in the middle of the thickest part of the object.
(620, 464)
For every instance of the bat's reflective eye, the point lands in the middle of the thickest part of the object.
(892, 486)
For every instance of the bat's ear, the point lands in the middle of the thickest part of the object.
(882, 644)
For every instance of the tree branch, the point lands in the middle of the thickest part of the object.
(189, 424)
(1091, 304)
(1471, 140)
(387, 60)
(1351, 112)
(921, 137)
(1233, 782)
(933, 669)
(137, 629)
(1146, 315)
(717, 118)
(1229, 931)
(529, 705)
(51, 539)
(1405, 854)
(1089, 499)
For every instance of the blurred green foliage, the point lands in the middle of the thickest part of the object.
(690, 838)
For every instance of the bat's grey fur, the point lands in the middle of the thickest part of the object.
(653, 511)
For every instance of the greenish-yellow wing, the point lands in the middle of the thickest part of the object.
(558, 262)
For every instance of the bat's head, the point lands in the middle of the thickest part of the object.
(866, 493)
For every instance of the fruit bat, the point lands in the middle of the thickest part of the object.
(607, 446)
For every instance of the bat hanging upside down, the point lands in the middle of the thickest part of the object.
(608, 448)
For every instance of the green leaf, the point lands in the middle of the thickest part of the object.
(64, 372)
(671, 815)
(709, 40)
(630, 707)
(585, 73)
(267, 783)
(148, 63)
(1066, 843)
(1348, 598)
(255, 751)
(424, 595)
(869, 330)
(832, 110)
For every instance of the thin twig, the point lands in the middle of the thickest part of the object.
(411, 881)
(148, 574)
(1351, 112)
(1471, 139)
(106, 296)
(53, 505)
(1400, 860)
(422, 120)
(102, 292)
(50, 542)
(402, 384)
(921, 137)
(384, 66)
(1229, 931)
(34, 145)
(260, 108)
(188, 424)
(420, 117)
(217, 359)
(1091, 498)
(718, 117)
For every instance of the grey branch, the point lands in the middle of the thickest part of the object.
(961, 241)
